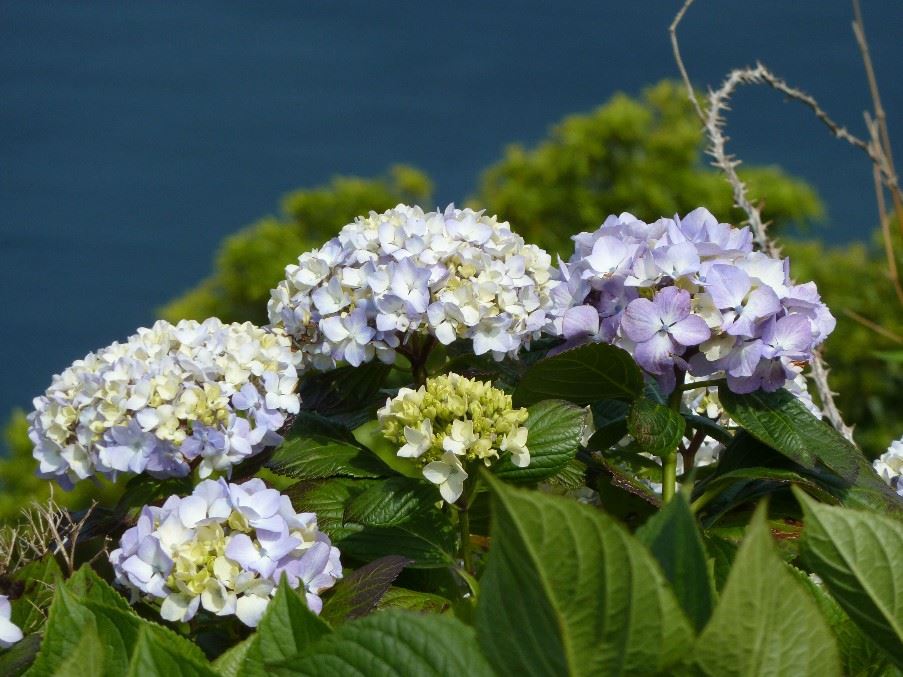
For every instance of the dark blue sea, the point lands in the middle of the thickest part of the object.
(135, 135)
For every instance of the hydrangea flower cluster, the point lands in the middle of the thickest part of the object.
(209, 394)
(10, 633)
(890, 466)
(224, 548)
(690, 293)
(452, 421)
(456, 274)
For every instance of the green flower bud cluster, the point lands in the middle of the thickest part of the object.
(467, 417)
(453, 420)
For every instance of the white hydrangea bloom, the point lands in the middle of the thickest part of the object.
(224, 549)
(170, 397)
(890, 466)
(456, 274)
(10, 633)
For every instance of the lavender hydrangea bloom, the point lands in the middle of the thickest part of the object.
(663, 328)
(689, 294)
(171, 397)
(224, 549)
(455, 274)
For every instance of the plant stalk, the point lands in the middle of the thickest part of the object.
(669, 477)
(669, 460)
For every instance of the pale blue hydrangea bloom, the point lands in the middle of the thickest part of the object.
(224, 548)
(170, 398)
(456, 274)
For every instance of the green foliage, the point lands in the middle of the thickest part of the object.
(555, 429)
(318, 448)
(672, 535)
(393, 643)
(357, 594)
(641, 155)
(656, 428)
(90, 632)
(869, 387)
(781, 421)
(552, 562)
(859, 556)
(582, 375)
(251, 262)
(765, 623)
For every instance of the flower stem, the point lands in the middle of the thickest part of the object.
(464, 502)
(669, 476)
(669, 460)
(711, 383)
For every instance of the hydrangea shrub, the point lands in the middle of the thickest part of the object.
(441, 442)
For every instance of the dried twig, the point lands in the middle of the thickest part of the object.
(874, 326)
(43, 528)
(882, 138)
(675, 47)
(819, 376)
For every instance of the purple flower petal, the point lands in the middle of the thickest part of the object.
(641, 320)
(727, 285)
(580, 322)
(655, 355)
(673, 305)
(690, 331)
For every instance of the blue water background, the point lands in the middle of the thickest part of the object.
(135, 135)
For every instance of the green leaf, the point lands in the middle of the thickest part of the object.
(859, 654)
(144, 490)
(318, 449)
(393, 643)
(358, 593)
(656, 428)
(67, 622)
(765, 623)
(608, 435)
(154, 657)
(782, 422)
(288, 627)
(427, 541)
(235, 662)
(391, 502)
(118, 628)
(347, 395)
(18, 658)
(673, 538)
(711, 428)
(38, 580)
(88, 586)
(328, 499)
(722, 553)
(86, 658)
(555, 429)
(859, 556)
(779, 477)
(567, 590)
(413, 600)
(596, 371)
